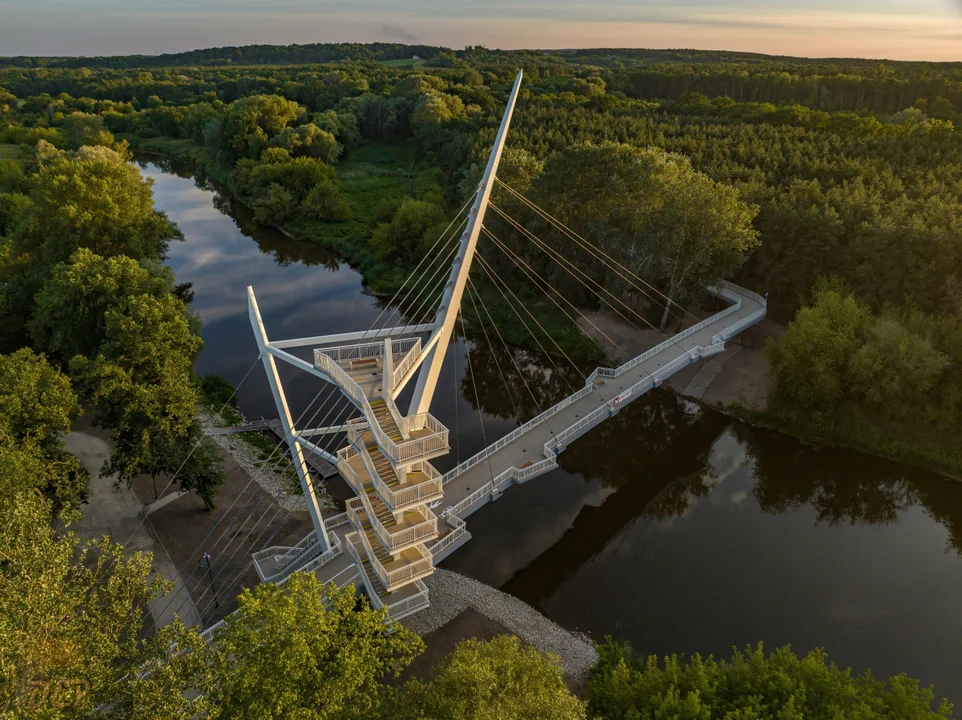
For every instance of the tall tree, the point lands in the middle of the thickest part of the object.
(70, 609)
(673, 226)
(139, 383)
(37, 405)
(324, 658)
(625, 686)
(72, 306)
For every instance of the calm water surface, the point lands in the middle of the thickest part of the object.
(669, 526)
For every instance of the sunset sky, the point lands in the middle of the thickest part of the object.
(920, 29)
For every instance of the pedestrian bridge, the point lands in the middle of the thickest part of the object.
(390, 538)
(528, 452)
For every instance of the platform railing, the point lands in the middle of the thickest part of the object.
(459, 529)
(392, 578)
(343, 353)
(410, 605)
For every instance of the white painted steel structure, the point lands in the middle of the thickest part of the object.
(388, 540)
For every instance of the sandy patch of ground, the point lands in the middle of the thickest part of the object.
(743, 373)
(113, 509)
(245, 519)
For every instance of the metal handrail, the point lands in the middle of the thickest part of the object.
(411, 604)
(401, 369)
(391, 578)
(727, 290)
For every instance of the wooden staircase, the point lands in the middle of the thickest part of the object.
(372, 577)
(386, 420)
(382, 465)
(381, 511)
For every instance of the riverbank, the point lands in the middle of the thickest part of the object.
(367, 178)
(737, 384)
(462, 607)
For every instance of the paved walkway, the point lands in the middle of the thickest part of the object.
(114, 510)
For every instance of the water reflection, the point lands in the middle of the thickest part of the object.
(682, 531)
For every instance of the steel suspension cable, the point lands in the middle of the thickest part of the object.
(526, 269)
(414, 272)
(477, 397)
(195, 446)
(571, 234)
(497, 362)
(337, 396)
(492, 274)
(565, 263)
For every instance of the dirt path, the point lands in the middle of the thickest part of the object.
(114, 510)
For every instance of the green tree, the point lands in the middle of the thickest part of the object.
(413, 229)
(139, 383)
(750, 685)
(672, 225)
(72, 306)
(85, 129)
(500, 678)
(70, 609)
(93, 200)
(309, 140)
(810, 361)
(197, 464)
(251, 122)
(37, 406)
(324, 657)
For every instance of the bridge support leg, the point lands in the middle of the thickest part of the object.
(287, 422)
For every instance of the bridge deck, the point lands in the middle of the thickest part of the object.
(529, 448)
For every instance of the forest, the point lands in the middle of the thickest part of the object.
(818, 171)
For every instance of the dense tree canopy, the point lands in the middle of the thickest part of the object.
(500, 678)
(750, 685)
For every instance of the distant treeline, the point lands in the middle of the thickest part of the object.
(245, 55)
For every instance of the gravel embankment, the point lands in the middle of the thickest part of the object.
(273, 482)
(451, 594)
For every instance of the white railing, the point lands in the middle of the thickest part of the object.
(405, 607)
(393, 541)
(424, 530)
(208, 634)
(395, 413)
(459, 530)
(512, 474)
(393, 578)
(351, 541)
(400, 496)
(336, 520)
(728, 291)
(343, 353)
(320, 561)
(402, 368)
(516, 433)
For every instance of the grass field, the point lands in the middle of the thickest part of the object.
(373, 173)
(9, 151)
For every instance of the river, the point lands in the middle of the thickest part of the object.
(669, 526)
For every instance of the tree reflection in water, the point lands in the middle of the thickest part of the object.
(656, 457)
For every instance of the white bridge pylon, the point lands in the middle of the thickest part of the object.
(387, 460)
